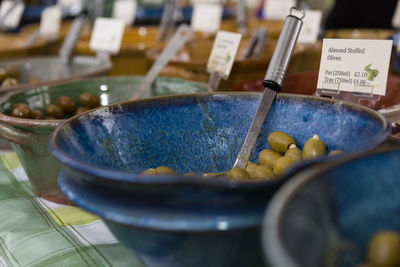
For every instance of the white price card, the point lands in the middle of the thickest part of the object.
(11, 13)
(125, 10)
(206, 17)
(354, 65)
(223, 53)
(310, 29)
(277, 9)
(50, 21)
(396, 16)
(107, 35)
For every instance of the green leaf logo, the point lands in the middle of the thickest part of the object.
(228, 57)
(371, 73)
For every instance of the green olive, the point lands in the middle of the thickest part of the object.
(314, 147)
(294, 152)
(250, 166)
(279, 141)
(66, 103)
(165, 170)
(80, 110)
(260, 172)
(38, 114)
(89, 100)
(237, 174)
(283, 164)
(150, 171)
(335, 152)
(268, 157)
(9, 82)
(384, 249)
(55, 111)
(22, 110)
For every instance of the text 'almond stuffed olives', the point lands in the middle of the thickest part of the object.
(271, 162)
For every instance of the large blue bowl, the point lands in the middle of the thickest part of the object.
(181, 220)
(325, 216)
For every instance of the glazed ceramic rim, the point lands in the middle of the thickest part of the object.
(124, 177)
(97, 72)
(21, 122)
(272, 244)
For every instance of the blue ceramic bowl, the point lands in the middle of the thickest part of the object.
(325, 216)
(182, 220)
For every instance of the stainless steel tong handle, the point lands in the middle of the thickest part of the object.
(284, 48)
(272, 83)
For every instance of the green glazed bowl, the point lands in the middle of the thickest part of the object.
(29, 137)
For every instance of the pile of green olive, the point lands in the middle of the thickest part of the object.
(383, 250)
(8, 76)
(64, 108)
(271, 162)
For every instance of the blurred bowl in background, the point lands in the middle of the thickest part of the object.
(325, 215)
(45, 70)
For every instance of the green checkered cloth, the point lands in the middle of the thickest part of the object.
(36, 232)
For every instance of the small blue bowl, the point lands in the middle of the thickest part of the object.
(182, 220)
(326, 215)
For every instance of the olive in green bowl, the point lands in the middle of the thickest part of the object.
(28, 136)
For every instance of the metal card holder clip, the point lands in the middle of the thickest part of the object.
(329, 89)
(360, 93)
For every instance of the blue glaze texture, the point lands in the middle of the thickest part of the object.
(104, 150)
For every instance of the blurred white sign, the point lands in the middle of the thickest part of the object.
(50, 21)
(107, 35)
(223, 53)
(125, 10)
(206, 17)
(310, 29)
(277, 9)
(11, 13)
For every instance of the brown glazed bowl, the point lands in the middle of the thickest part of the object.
(13, 44)
(131, 59)
(273, 27)
(191, 61)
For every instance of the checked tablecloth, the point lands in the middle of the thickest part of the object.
(36, 232)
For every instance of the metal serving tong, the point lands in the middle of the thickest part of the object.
(257, 44)
(273, 80)
(167, 20)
